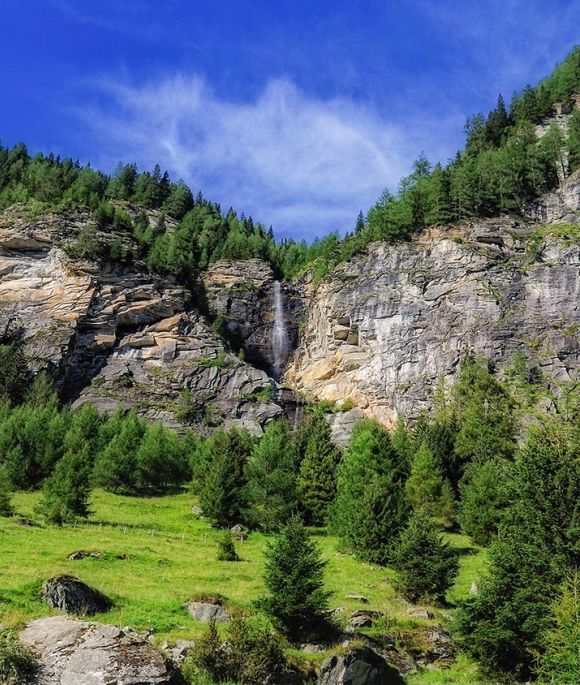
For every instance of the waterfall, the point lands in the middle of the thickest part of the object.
(279, 332)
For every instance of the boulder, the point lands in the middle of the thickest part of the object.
(72, 596)
(358, 598)
(85, 554)
(420, 613)
(205, 612)
(177, 652)
(362, 619)
(74, 652)
(359, 666)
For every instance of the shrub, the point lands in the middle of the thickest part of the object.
(294, 578)
(249, 655)
(6, 508)
(227, 548)
(427, 565)
(18, 664)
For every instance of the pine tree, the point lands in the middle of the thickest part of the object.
(270, 494)
(427, 565)
(504, 625)
(371, 506)
(316, 480)
(66, 492)
(484, 498)
(227, 548)
(6, 508)
(221, 493)
(294, 578)
(559, 663)
(424, 486)
(497, 123)
(574, 141)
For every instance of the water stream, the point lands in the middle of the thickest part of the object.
(279, 332)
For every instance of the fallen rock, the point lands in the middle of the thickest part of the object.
(358, 598)
(84, 554)
(420, 613)
(360, 666)
(430, 645)
(362, 618)
(74, 652)
(205, 612)
(239, 532)
(177, 652)
(71, 595)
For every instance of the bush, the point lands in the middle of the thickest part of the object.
(427, 565)
(248, 655)
(227, 548)
(294, 578)
(18, 664)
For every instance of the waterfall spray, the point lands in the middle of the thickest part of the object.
(279, 332)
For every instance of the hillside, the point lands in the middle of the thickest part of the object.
(361, 456)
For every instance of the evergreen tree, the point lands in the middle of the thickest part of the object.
(294, 578)
(116, 465)
(403, 443)
(316, 480)
(270, 494)
(221, 493)
(6, 508)
(497, 123)
(424, 486)
(559, 664)
(66, 492)
(484, 412)
(503, 626)
(227, 548)
(574, 141)
(427, 565)
(371, 507)
(484, 498)
(42, 391)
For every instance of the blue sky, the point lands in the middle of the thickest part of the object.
(298, 112)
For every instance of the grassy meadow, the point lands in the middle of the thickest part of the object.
(158, 554)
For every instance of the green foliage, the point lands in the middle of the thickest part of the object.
(424, 486)
(504, 626)
(227, 548)
(248, 655)
(227, 454)
(484, 498)
(559, 664)
(427, 565)
(371, 507)
(484, 414)
(270, 492)
(294, 577)
(6, 508)
(67, 490)
(18, 664)
(319, 459)
(13, 369)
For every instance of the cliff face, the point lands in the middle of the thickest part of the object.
(385, 326)
(381, 329)
(119, 336)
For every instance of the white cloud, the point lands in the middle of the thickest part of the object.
(305, 165)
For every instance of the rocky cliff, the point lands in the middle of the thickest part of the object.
(385, 326)
(117, 335)
(380, 330)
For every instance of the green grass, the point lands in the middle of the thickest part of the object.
(171, 556)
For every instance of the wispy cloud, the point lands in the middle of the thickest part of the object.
(305, 165)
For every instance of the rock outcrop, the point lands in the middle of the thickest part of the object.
(359, 666)
(386, 325)
(76, 652)
(72, 596)
(116, 334)
(240, 295)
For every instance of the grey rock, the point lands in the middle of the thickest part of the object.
(361, 666)
(205, 612)
(72, 596)
(362, 618)
(358, 598)
(420, 613)
(420, 306)
(177, 652)
(76, 652)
